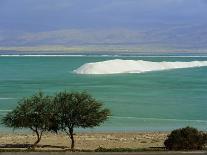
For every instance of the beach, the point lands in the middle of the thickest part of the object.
(89, 140)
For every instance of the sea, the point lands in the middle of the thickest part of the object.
(150, 101)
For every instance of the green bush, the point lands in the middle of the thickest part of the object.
(101, 149)
(185, 139)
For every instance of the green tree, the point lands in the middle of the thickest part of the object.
(186, 139)
(78, 109)
(33, 113)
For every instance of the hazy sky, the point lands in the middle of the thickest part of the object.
(72, 22)
(46, 15)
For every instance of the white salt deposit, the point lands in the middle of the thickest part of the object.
(118, 66)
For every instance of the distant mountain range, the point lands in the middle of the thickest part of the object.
(106, 25)
(169, 37)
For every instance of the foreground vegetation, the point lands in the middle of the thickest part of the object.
(33, 113)
(66, 111)
(62, 112)
(82, 150)
(97, 150)
(186, 139)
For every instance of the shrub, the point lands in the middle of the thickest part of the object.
(185, 139)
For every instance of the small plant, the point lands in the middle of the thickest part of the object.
(185, 139)
(101, 149)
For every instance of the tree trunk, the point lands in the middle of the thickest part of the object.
(72, 139)
(39, 136)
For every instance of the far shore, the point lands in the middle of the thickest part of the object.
(88, 140)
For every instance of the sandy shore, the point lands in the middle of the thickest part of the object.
(91, 140)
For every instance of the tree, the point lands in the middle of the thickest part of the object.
(33, 113)
(74, 110)
(185, 139)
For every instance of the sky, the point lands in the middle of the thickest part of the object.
(33, 16)
(43, 15)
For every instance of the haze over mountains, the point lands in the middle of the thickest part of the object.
(173, 24)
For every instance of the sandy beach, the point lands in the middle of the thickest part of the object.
(90, 141)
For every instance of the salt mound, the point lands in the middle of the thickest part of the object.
(118, 66)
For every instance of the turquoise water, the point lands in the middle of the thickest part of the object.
(161, 100)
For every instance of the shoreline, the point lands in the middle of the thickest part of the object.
(88, 140)
(133, 55)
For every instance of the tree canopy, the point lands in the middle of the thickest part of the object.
(78, 109)
(64, 112)
(33, 113)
